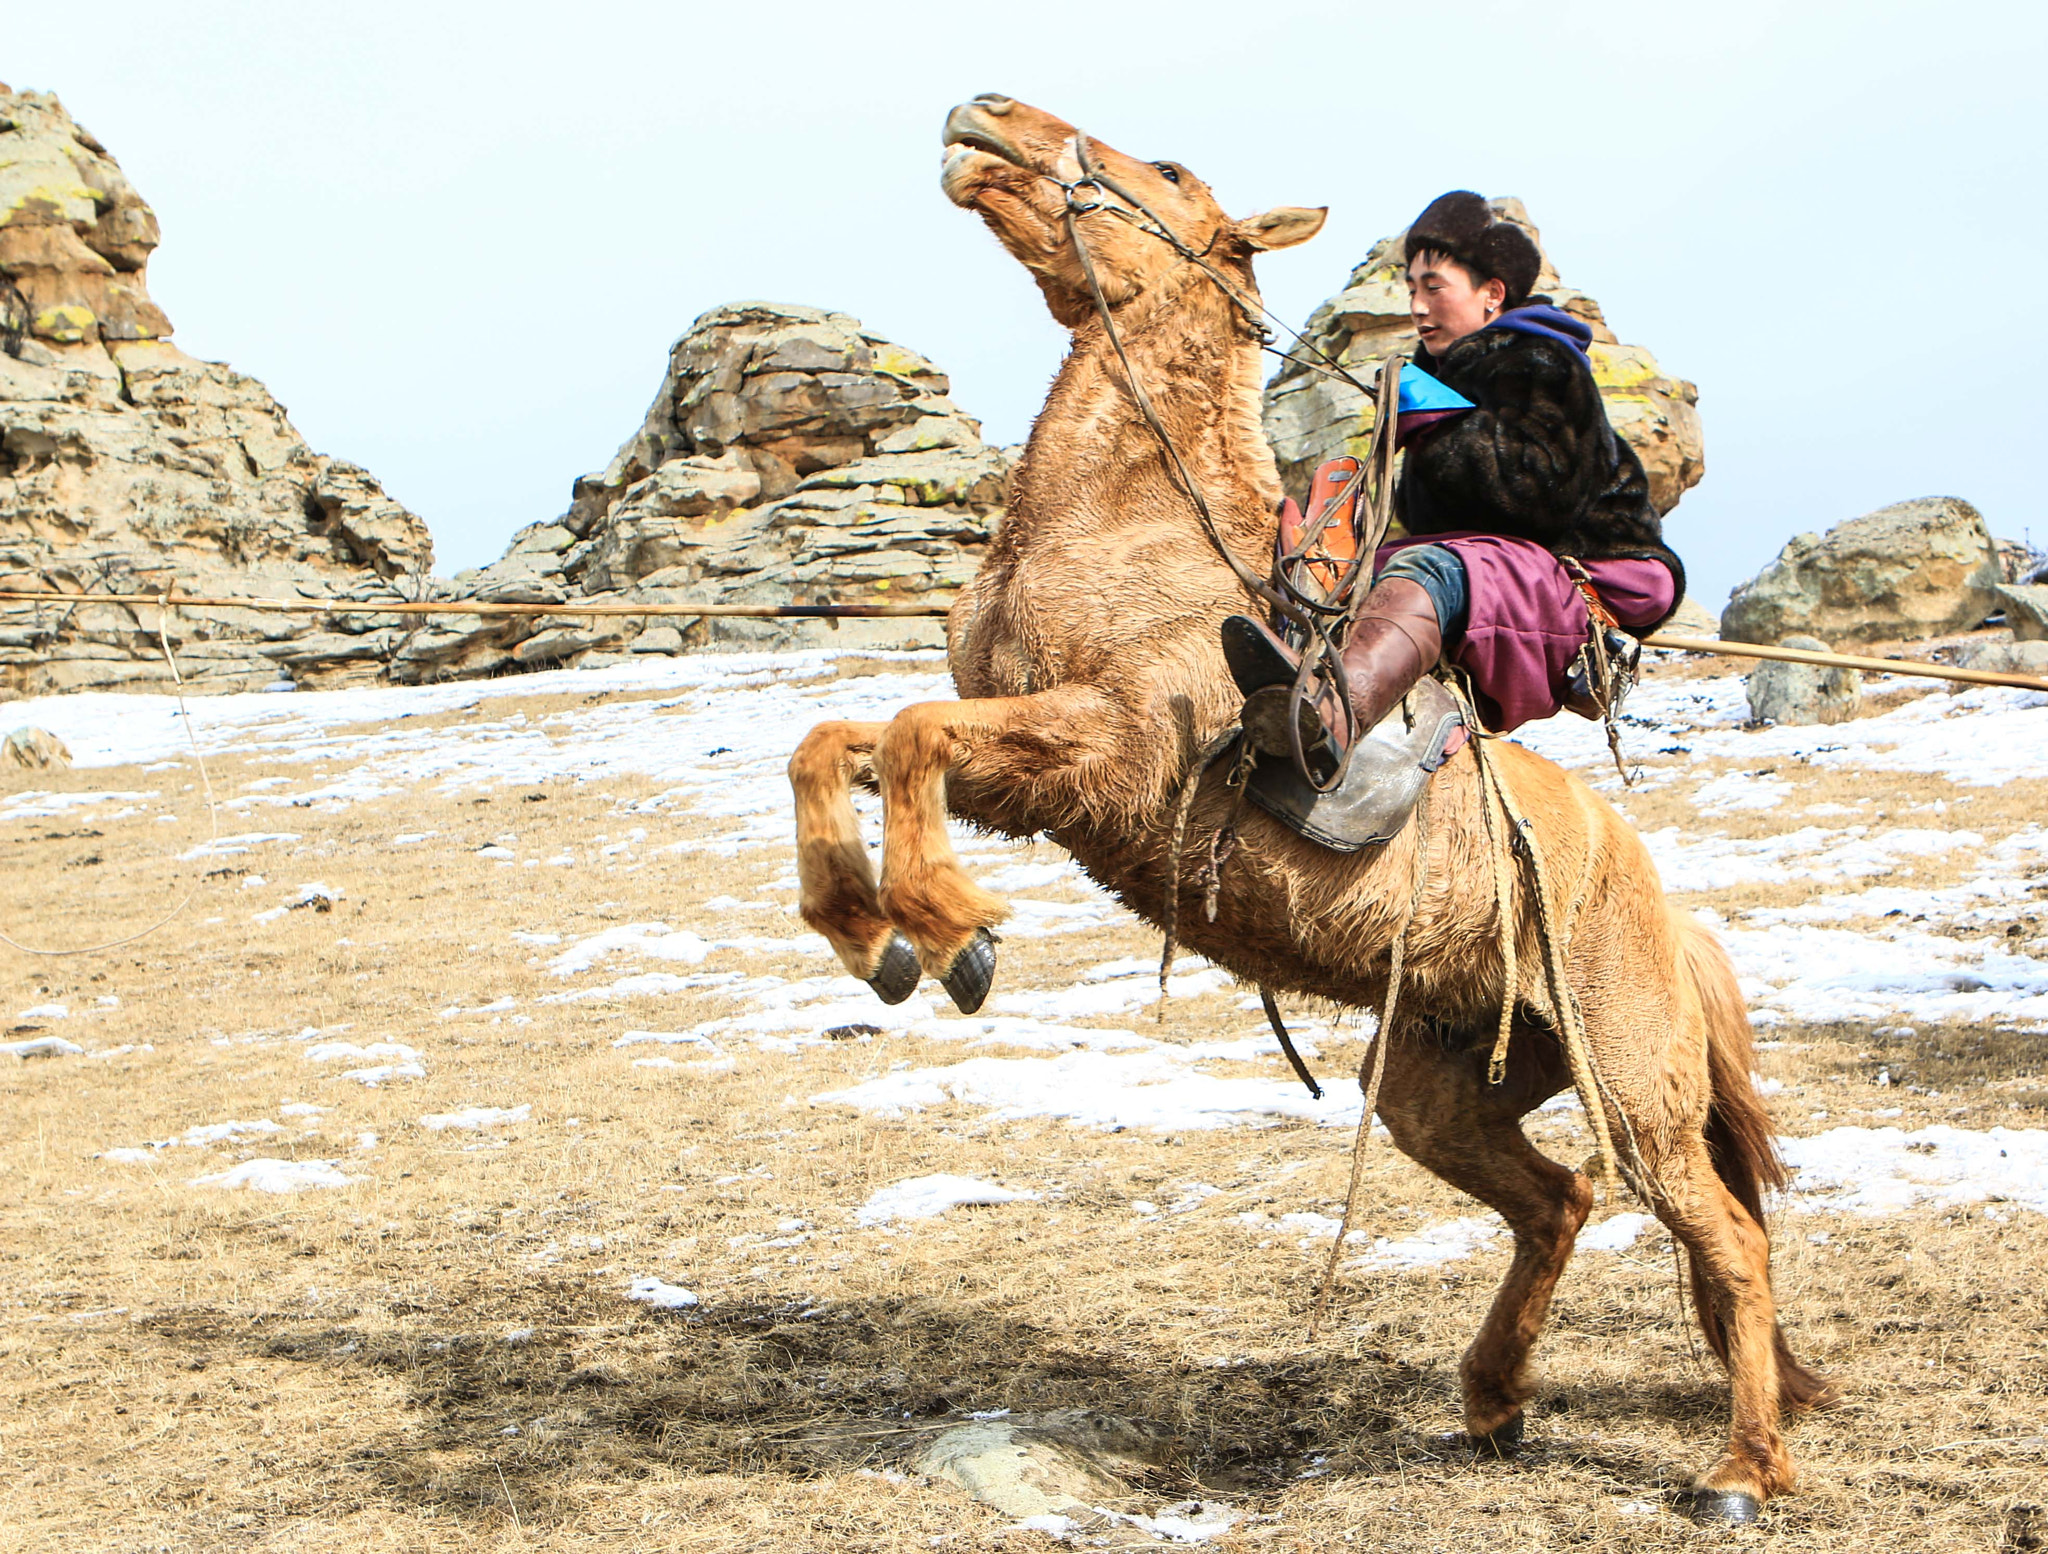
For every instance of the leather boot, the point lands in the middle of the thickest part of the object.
(1395, 639)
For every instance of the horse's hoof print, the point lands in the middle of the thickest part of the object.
(972, 973)
(1725, 1507)
(895, 977)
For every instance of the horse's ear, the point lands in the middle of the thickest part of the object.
(1282, 228)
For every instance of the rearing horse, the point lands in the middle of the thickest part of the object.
(1086, 656)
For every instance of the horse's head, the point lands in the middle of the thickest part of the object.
(1012, 165)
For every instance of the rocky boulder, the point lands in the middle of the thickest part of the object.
(1311, 416)
(127, 466)
(2026, 610)
(1803, 693)
(790, 456)
(35, 750)
(2029, 656)
(1923, 568)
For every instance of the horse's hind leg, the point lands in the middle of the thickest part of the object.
(1732, 1280)
(836, 881)
(1443, 1114)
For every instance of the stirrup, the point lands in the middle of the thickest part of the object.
(1383, 778)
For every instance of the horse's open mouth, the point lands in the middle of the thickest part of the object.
(972, 130)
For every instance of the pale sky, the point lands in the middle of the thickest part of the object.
(457, 240)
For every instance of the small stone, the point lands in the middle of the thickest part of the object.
(34, 749)
(2026, 610)
(1064, 1462)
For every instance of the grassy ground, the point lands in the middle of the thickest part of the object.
(439, 1356)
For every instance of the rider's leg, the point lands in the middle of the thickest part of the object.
(1414, 613)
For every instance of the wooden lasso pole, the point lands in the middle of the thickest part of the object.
(477, 607)
(1899, 666)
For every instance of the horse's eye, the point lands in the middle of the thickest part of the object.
(1168, 171)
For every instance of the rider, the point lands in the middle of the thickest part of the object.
(1508, 505)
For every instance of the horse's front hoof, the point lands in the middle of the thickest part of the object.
(1724, 1507)
(896, 974)
(1502, 1441)
(972, 973)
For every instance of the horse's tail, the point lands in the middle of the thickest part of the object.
(1739, 1137)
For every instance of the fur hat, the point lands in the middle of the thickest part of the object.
(1464, 226)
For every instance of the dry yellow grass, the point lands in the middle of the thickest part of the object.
(440, 1357)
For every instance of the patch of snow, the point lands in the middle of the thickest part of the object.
(46, 1012)
(41, 1047)
(208, 1134)
(1794, 971)
(1616, 1233)
(659, 1294)
(234, 846)
(927, 1197)
(1444, 1242)
(1148, 1089)
(1740, 791)
(342, 1051)
(474, 1118)
(496, 1006)
(652, 939)
(1884, 1170)
(279, 1176)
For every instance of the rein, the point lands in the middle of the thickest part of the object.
(1321, 617)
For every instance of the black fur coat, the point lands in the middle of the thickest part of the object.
(1536, 459)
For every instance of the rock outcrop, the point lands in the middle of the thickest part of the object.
(790, 457)
(127, 466)
(1917, 569)
(1311, 416)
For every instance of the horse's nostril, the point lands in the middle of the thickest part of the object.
(995, 102)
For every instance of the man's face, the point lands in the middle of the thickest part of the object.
(1444, 302)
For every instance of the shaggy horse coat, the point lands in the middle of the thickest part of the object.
(1087, 657)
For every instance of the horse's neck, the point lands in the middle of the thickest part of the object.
(1093, 463)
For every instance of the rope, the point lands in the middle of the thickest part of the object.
(1381, 1037)
(1182, 808)
(1500, 855)
(206, 779)
(1251, 582)
(1516, 827)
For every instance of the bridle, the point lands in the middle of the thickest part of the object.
(1322, 616)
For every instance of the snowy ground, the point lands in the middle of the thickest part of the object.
(546, 925)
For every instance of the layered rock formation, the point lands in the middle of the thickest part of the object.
(1915, 569)
(790, 456)
(1311, 416)
(127, 466)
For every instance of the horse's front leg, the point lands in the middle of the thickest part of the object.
(837, 895)
(1021, 750)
